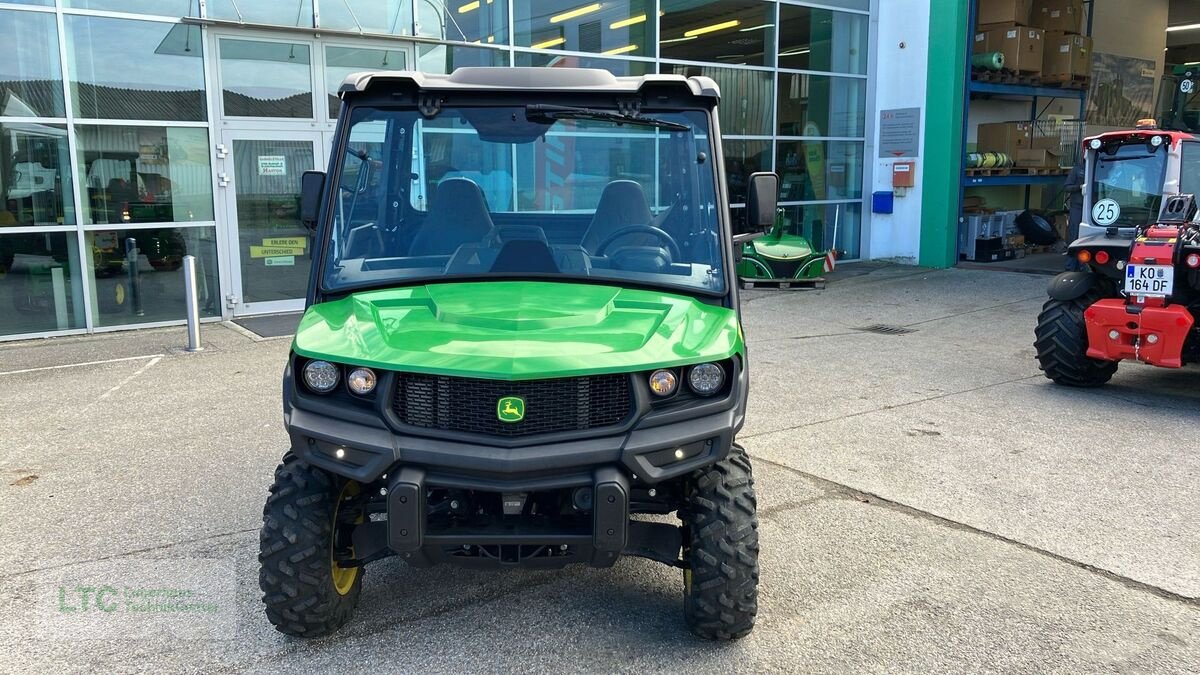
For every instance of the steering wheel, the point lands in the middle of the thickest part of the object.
(662, 235)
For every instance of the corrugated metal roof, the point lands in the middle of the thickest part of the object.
(44, 97)
(101, 102)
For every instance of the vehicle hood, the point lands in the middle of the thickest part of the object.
(517, 330)
(785, 248)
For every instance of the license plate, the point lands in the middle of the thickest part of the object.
(1157, 280)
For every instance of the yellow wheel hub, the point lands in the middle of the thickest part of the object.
(343, 577)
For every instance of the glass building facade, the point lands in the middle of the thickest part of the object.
(135, 132)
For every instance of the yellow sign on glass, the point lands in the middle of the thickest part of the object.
(286, 242)
(273, 251)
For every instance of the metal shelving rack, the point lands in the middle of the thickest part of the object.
(984, 90)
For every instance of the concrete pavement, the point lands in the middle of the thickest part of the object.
(929, 503)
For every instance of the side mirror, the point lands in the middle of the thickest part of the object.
(312, 184)
(762, 200)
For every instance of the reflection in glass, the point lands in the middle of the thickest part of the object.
(145, 174)
(817, 105)
(743, 158)
(445, 58)
(733, 32)
(620, 27)
(342, 61)
(266, 79)
(40, 288)
(863, 5)
(297, 13)
(30, 76)
(482, 21)
(565, 192)
(35, 175)
(615, 66)
(819, 170)
(273, 242)
(137, 275)
(745, 97)
(387, 17)
(818, 39)
(123, 69)
(172, 8)
(826, 225)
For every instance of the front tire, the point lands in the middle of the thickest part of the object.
(306, 594)
(1062, 344)
(721, 534)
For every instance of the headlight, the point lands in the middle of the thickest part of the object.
(321, 376)
(706, 379)
(1095, 143)
(663, 382)
(1156, 141)
(361, 381)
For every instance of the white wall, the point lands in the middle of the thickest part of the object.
(900, 82)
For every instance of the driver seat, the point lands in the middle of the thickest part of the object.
(458, 215)
(622, 203)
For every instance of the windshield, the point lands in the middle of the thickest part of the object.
(1132, 176)
(525, 192)
(1179, 99)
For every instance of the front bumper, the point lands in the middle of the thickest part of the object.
(363, 442)
(364, 453)
(616, 467)
(1153, 335)
(407, 532)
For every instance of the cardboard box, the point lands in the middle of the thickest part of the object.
(1040, 158)
(1006, 137)
(980, 43)
(990, 250)
(1004, 11)
(1057, 15)
(1023, 47)
(1066, 56)
(1061, 222)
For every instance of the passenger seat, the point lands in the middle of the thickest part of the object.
(458, 215)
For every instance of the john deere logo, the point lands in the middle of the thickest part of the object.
(510, 409)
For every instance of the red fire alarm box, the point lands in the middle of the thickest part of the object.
(904, 174)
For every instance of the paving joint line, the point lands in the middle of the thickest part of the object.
(1118, 394)
(844, 491)
(787, 507)
(385, 624)
(974, 311)
(125, 554)
(892, 407)
(808, 337)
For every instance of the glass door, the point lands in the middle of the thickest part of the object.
(271, 250)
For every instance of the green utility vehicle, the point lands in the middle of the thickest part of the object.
(522, 342)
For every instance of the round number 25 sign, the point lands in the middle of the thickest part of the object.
(1105, 212)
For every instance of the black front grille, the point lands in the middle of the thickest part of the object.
(469, 405)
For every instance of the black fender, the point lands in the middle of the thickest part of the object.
(1071, 285)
